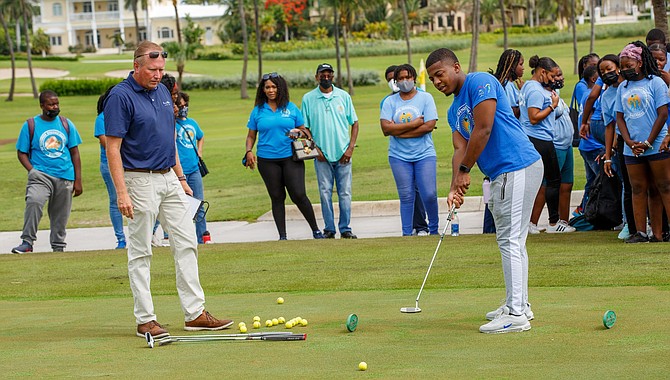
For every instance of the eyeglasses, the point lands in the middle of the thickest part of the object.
(271, 75)
(154, 54)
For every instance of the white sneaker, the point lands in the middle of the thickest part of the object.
(156, 240)
(504, 323)
(624, 233)
(165, 242)
(561, 227)
(533, 229)
(422, 233)
(491, 315)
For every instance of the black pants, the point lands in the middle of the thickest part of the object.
(552, 175)
(279, 176)
(627, 191)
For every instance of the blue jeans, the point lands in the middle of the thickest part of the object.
(114, 213)
(327, 175)
(194, 180)
(408, 176)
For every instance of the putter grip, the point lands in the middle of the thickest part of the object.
(286, 337)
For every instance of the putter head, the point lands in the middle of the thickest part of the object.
(410, 310)
(150, 340)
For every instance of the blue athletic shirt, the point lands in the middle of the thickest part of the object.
(533, 95)
(272, 127)
(99, 130)
(144, 119)
(638, 101)
(607, 103)
(513, 93)
(402, 111)
(590, 143)
(187, 156)
(508, 148)
(50, 148)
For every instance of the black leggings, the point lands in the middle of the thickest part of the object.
(552, 175)
(284, 174)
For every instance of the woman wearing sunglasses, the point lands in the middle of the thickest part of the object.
(273, 118)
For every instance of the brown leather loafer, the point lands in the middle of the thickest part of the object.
(153, 327)
(206, 321)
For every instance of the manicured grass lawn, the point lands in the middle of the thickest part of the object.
(70, 314)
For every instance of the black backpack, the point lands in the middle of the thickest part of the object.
(603, 208)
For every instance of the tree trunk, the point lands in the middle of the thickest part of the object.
(592, 11)
(405, 22)
(336, 26)
(660, 15)
(176, 15)
(501, 3)
(10, 45)
(137, 22)
(350, 78)
(475, 37)
(245, 59)
(180, 72)
(29, 57)
(529, 11)
(258, 41)
(285, 32)
(573, 24)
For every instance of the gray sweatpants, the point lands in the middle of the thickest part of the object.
(511, 203)
(41, 188)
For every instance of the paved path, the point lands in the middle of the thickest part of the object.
(369, 220)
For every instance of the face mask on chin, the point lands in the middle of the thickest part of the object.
(52, 113)
(392, 85)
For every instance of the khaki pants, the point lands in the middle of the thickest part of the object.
(161, 196)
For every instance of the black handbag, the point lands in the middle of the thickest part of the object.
(304, 149)
(574, 117)
(201, 163)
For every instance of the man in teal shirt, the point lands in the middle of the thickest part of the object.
(328, 113)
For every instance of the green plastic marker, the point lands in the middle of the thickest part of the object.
(609, 318)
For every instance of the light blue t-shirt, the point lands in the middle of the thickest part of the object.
(607, 104)
(590, 143)
(329, 119)
(188, 130)
(638, 101)
(50, 149)
(99, 130)
(272, 127)
(564, 130)
(508, 148)
(402, 111)
(533, 95)
(513, 93)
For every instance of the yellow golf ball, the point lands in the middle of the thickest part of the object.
(281, 320)
(243, 329)
(303, 322)
(257, 325)
(280, 300)
(275, 321)
(288, 325)
(268, 323)
(362, 366)
(257, 319)
(241, 324)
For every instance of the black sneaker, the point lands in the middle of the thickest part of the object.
(638, 238)
(329, 234)
(318, 235)
(25, 247)
(58, 249)
(348, 235)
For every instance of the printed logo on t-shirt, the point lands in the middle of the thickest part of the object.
(286, 112)
(636, 102)
(464, 121)
(184, 133)
(52, 143)
(483, 90)
(406, 113)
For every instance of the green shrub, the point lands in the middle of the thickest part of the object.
(633, 30)
(294, 80)
(22, 57)
(70, 87)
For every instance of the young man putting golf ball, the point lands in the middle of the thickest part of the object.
(486, 132)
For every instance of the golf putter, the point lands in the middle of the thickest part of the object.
(417, 309)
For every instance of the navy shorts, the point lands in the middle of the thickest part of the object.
(632, 160)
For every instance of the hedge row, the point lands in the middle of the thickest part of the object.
(69, 87)
(294, 80)
(632, 30)
(23, 57)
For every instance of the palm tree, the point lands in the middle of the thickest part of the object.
(405, 23)
(258, 42)
(132, 5)
(503, 17)
(475, 37)
(176, 15)
(245, 60)
(349, 8)
(573, 24)
(5, 10)
(336, 32)
(488, 11)
(25, 11)
(660, 15)
(592, 12)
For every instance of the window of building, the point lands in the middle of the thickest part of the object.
(165, 33)
(56, 40)
(143, 34)
(57, 9)
(88, 8)
(113, 6)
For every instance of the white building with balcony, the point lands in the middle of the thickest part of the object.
(94, 23)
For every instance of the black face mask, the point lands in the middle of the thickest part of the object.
(629, 74)
(558, 84)
(325, 83)
(52, 113)
(610, 78)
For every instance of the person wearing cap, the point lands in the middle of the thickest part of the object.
(328, 112)
(149, 181)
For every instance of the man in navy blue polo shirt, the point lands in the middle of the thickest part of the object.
(150, 184)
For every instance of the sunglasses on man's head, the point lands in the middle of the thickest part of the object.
(271, 75)
(154, 54)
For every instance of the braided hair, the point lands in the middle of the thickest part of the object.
(649, 65)
(582, 63)
(506, 70)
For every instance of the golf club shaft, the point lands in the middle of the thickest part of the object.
(283, 337)
(449, 217)
(231, 335)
